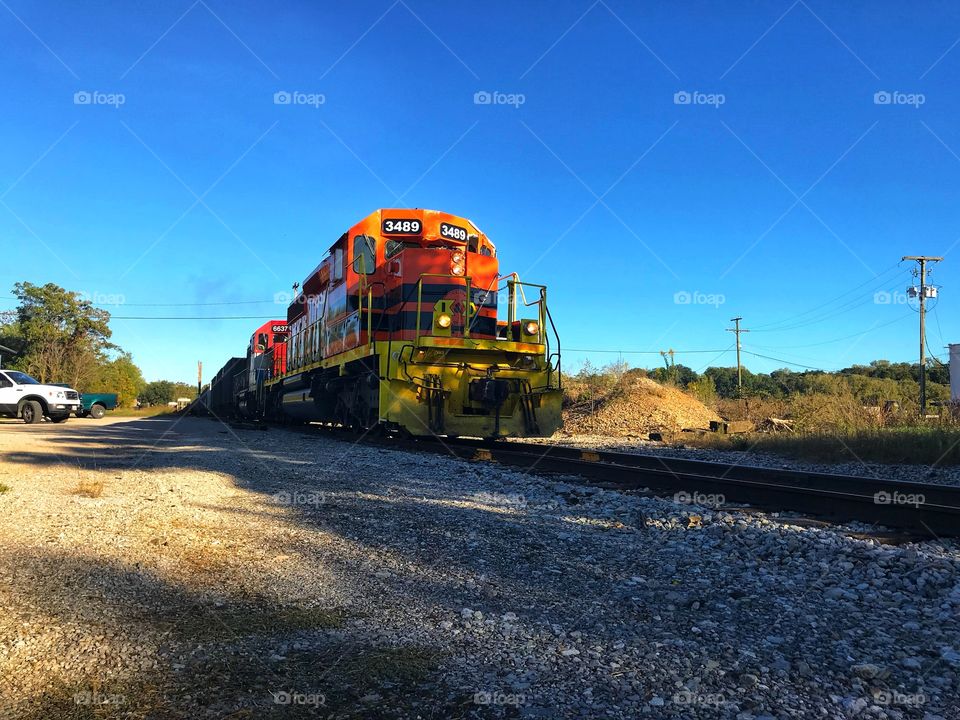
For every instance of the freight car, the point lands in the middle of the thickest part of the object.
(401, 325)
(218, 399)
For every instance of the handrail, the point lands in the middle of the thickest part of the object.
(466, 320)
(559, 356)
(370, 340)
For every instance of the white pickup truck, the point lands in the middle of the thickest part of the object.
(21, 396)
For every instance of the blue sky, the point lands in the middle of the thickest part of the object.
(637, 156)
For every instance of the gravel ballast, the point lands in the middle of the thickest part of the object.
(240, 573)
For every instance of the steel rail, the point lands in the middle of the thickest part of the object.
(925, 509)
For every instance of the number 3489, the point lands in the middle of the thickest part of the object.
(402, 227)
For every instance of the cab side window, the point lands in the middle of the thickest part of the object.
(393, 247)
(4, 381)
(364, 254)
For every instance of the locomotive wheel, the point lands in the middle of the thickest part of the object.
(352, 410)
(344, 411)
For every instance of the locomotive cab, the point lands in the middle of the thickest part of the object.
(266, 358)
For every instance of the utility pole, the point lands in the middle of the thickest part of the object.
(738, 330)
(922, 260)
(199, 376)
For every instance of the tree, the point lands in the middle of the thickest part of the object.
(60, 337)
(159, 392)
(120, 376)
(704, 390)
(182, 389)
(725, 380)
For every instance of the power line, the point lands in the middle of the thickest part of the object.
(828, 342)
(643, 352)
(842, 310)
(785, 362)
(936, 316)
(870, 281)
(195, 317)
(203, 304)
(232, 302)
(712, 360)
(936, 357)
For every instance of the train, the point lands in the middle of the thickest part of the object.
(406, 325)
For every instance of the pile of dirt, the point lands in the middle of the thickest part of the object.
(636, 407)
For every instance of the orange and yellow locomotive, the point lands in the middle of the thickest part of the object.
(403, 325)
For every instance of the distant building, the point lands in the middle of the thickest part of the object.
(955, 372)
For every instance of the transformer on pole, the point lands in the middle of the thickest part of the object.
(922, 293)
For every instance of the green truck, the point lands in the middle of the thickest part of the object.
(94, 405)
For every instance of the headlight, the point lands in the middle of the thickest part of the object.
(60, 396)
(443, 320)
(456, 269)
(531, 328)
(457, 257)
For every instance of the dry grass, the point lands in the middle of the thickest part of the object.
(89, 488)
(141, 412)
(907, 445)
(754, 409)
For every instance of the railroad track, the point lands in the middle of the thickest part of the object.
(921, 509)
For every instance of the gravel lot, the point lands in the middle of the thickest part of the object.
(247, 574)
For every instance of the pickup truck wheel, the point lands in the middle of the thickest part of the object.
(32, 412)
(97, 412)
